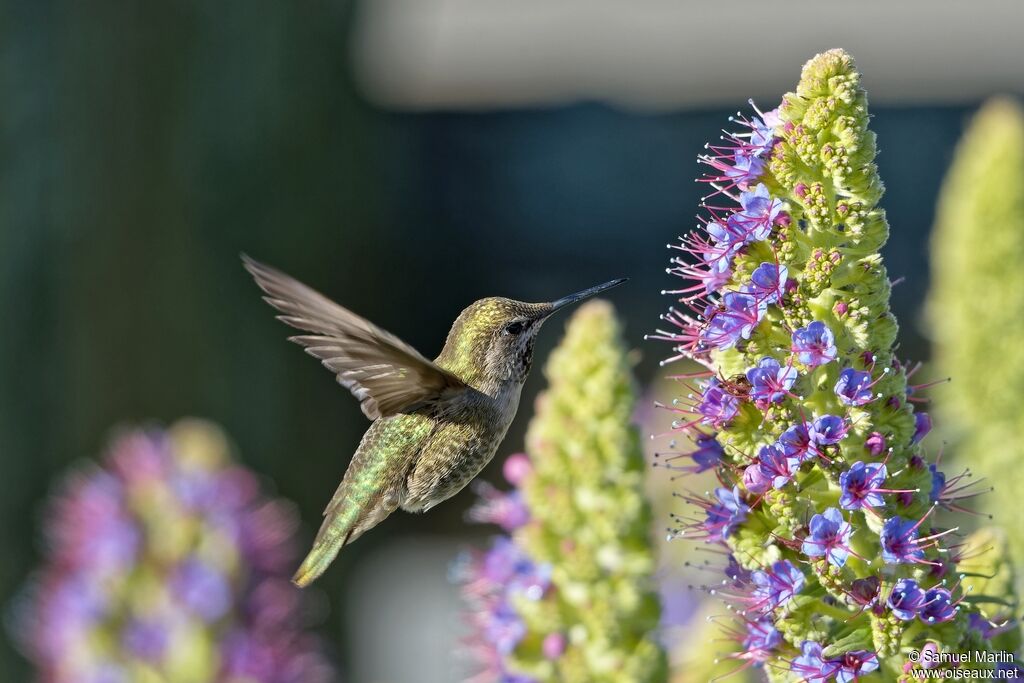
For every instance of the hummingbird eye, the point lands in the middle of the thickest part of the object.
(514, 327)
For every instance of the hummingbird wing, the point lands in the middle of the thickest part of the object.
(386, 375)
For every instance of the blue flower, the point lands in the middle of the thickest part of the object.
(708, 454)
(777, 466)
(728, 238)
(758, 211)
(770, 381)
(147, 639)
(734, 320)
(724, 516)
(850, 667)
(854, 387)
(810, 665)
(828, 430)
(938, 606)
(938, 483)
(505, 629)
(796, 442)
(776, 587)
(717, 406)
(899, 541)
(906, 599)
(762, 637)
(755, 480)
(507, 564)
(719, 266)
(829, 537)
(854, 665)
(767, 282)
(814, 344)
(745, 169)
(507, 509)
(860, 485)
(202, 589)
(922, 425)
(762, 132)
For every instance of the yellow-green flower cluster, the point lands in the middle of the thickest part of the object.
(588, 612)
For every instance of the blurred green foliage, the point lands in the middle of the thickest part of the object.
(976, 309)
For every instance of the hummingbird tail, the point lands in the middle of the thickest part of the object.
(324, 551)
(345, 520)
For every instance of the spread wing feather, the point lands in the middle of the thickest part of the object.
(386, 375)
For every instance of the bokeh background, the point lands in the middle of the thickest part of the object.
(405, 157)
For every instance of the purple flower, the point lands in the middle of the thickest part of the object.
(899, 541)
(922, 425)
(201, 589)
(753, 222)
(517, 468)
(875, 443)
(796, 442)
(938, 483)
(854, 387)
(717, 257)
(761, 639)
(117, 588)
(506, 509)
(770, 381)
(734, 320)
(810, 665)
(755, 480)
(814, 345)
(865, 591)
(938, 606)
(776, 587)
(762, 132)
(735, 572)
(777, 466)
(727, 237)
(507, 565)
(724, 516)
(505, 628)
(717, 406)
(746, 168)
(828, 430)
(553, 645)
(861, 486)
(906, 599)
(492, 582)
(829, 537)
(767, 282)
(145, 639)
(708, 454)
(985, 628)
(854, 665)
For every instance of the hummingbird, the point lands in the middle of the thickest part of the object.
(436, 424)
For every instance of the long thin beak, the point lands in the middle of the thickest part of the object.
(586, 293)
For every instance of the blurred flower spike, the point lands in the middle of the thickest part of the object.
(166, 564)
(975, 306)
(567, 595)
(840, 541)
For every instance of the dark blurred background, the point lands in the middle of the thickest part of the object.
(144, 145)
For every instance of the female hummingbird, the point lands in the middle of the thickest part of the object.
(435, 423)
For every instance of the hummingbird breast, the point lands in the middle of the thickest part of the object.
(463, 441)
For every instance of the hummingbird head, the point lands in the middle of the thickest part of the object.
(492, 339)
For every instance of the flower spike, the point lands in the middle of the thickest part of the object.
(828, 504)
